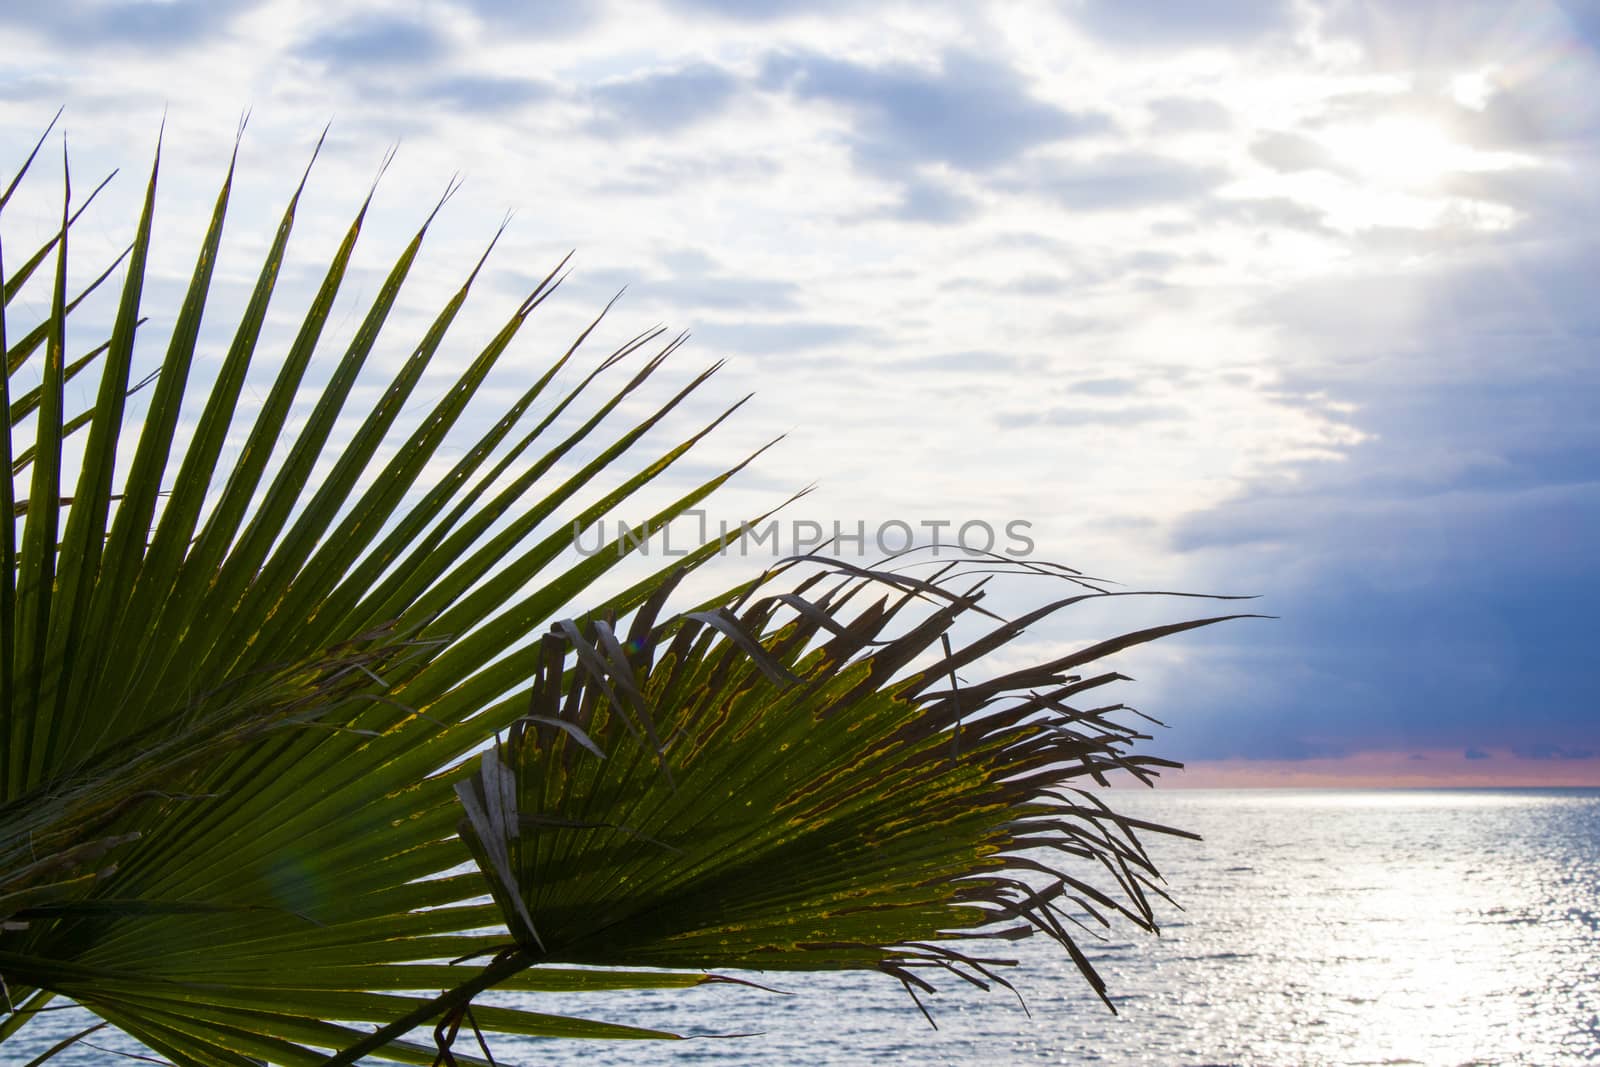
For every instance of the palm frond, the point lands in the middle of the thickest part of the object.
(198, 820)
(239, 698)
(778, 784)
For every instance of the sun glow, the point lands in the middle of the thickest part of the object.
(1474, 89)
(1404, 152)
(1396, 171)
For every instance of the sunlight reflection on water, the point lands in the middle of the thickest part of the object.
(1383, 927)
(1438, 927)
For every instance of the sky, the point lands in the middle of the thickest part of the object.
(1290, 298)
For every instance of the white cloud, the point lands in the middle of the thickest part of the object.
(1114, 268)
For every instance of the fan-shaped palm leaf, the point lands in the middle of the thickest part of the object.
(297, 662)
(239, 702)
(775, 784)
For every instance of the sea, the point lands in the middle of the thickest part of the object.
(1445, 927)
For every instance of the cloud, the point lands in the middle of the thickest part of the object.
(778, 337)
(487, 94)
(375, 40)
(1584, 15)
(1117, 181)
(1291, 152)
(1136, 415)
(127, 23)
(1176, 23)
(1439, 579)
(664, 101)
(922, 200)
(541, 20)
(1475, 754)
(1267, 213)
(1181, 114)
(662, 174)
(1543, 81)
(758, 10)
(1423, 34)
(693, 288)
(1518, 311)
(1105, 386)
(1435, 581)
(1547, 197)
(976, 362)
(1034, 283)
(1546, 750)
(972, 113)
(31, 88)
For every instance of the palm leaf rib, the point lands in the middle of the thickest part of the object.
(245, 707)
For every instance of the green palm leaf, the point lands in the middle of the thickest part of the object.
(227, 714)
(770, 784)
(240, 702)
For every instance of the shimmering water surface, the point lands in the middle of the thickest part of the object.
(1358, 927)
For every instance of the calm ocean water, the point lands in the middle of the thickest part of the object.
(1356, 927)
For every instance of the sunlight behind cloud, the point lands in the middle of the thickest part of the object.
(1473, 89)
(1407, 153)
(1383, 170)
(1110, 279)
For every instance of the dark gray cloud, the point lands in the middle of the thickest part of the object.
(1438, 583)
(1475, 754)
(971, 113)
(1118, 181)
(662, 101)
(375, 40)
(1168, 23)
(1371, 652)
(126, 23)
